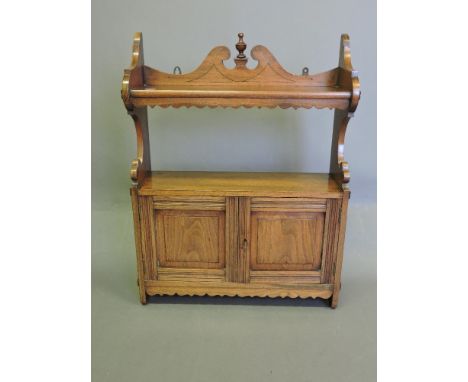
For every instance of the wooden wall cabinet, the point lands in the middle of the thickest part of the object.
(234, 233)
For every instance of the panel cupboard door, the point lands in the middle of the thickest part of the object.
(190, 236)
(292, 240)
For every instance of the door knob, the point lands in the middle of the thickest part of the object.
(245, 245)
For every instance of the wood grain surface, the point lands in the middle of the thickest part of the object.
(274, 184)
(286, 241)
(190, 239)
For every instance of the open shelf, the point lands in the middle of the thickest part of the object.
(280, 184)
(213, 84)
(268, 84)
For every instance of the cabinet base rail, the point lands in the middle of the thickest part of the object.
(172, 288)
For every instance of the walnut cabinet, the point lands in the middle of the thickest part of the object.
(234, 233)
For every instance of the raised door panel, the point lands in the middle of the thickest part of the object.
(190, 239)
(287, 241)
(290, 240)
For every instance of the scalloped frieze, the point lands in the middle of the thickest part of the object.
(282, 294)
(246, 103)
(245, 290)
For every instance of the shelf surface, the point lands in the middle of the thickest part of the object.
(181, 183)
(232, 91)
(318, 96)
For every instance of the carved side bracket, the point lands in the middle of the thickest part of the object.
(142, 164)
(348, 78)
(134, 76)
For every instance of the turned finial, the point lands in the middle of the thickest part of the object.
(241, 59)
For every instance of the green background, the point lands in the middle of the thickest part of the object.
(230, 339)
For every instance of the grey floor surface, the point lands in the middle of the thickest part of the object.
(230, 339)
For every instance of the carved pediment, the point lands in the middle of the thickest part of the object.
(213, 71)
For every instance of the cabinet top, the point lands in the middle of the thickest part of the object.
(264, 184)
(267, 85)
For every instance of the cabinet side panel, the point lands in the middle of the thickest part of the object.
(339, 257)
(330, 242)
(232, 238)
(147, 237)
(139, 257)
